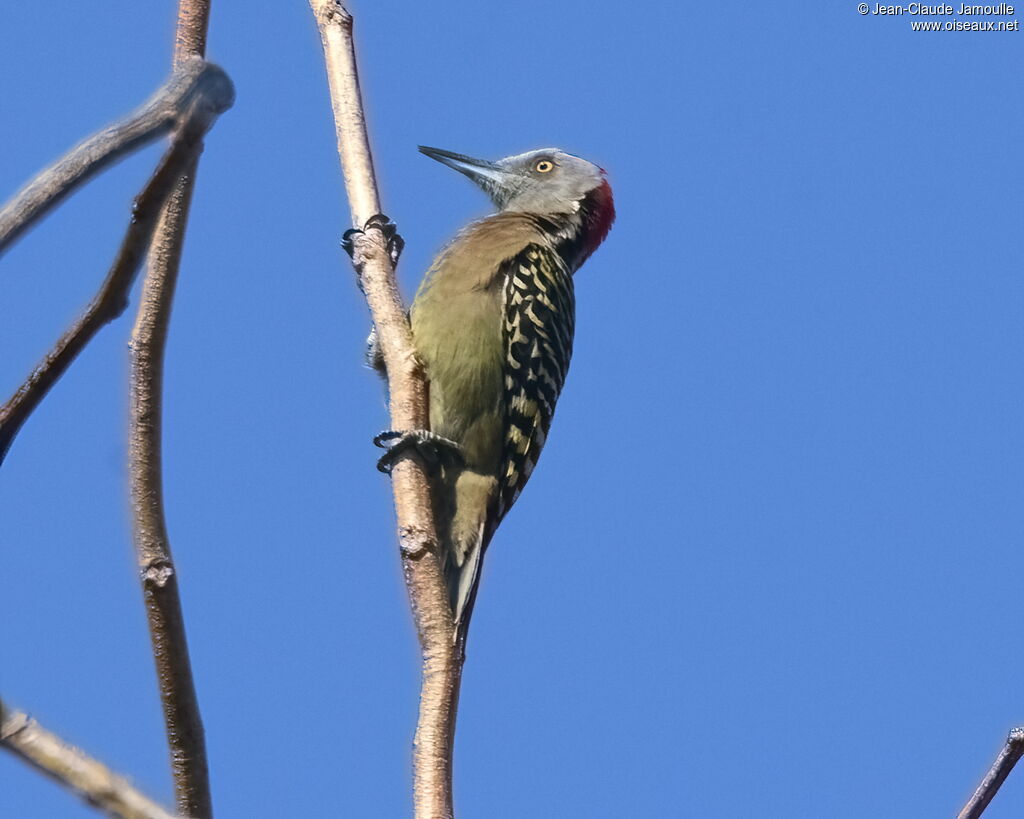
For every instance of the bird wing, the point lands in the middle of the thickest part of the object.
(539, 309)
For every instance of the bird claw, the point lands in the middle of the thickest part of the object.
(392, 239)
(433, 448)
(373, 354)
(348, 243)
(389, 230)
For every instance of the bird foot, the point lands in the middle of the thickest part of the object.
(392, 240)
(434, 449)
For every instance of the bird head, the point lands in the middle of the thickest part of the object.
(544, 181)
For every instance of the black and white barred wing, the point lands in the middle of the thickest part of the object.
(539, 319)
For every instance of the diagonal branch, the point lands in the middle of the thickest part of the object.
(1008, 756)
(442, 657)
(110, 302)
(160, 115)
(74, 769)
(182, 721)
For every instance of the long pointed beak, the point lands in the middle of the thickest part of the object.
(488, 175)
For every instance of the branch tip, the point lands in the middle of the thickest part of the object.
(1007, 758)
(333, 12)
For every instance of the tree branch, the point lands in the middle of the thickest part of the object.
(158, 116)
(442, 657)
(74, 769)
(1008, 756)
(182, 720)
(212, 95)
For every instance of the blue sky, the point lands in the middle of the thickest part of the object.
(769, 564)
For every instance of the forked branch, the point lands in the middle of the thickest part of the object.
(194, 81)
(211, 94)
(442, 657)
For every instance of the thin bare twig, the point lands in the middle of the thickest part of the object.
(74, 769)
(442, 658)
(158, 116)
(1008, 756)
(182, 720)
(215, 95)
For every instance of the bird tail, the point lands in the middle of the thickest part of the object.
(465, 539)
(462, 585)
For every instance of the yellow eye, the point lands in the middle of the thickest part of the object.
(544, 166)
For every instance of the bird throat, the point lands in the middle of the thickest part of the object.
(580, 233)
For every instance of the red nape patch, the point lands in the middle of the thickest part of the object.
(599, 207)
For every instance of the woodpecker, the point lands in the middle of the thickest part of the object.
(493, 324)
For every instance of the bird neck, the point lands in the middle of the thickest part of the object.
(578, 234)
